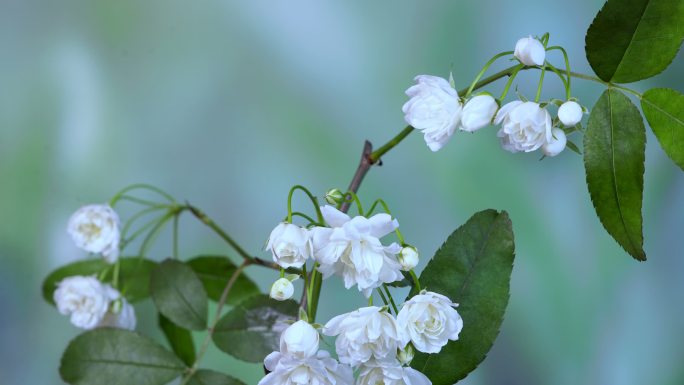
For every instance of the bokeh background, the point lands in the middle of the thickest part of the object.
(227, 104)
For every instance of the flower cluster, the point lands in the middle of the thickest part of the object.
(436, 109)
(349, 247)
(370, 340)
(89, 302)
(300, 362)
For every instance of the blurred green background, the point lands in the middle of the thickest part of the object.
(228, 104)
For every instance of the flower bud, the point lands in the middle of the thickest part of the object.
(405, 355)
(334, 196)
(570, 113)
(408, 258)
(557, 143)
(478, 112)
(300, 340)
(530, 51)
(282, 289)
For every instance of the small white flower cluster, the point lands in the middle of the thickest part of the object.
(369, 340)
(436, 109)
(300, 362)
(349, 247)
(91, 304)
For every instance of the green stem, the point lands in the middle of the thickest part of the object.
(313, 199)
(356, 200)
(517, 69)
(176, 219)
(484, 70)
(217, 317)
(567, 66)
(416, 282)
(317, 278)
(541, 83)
(115, 277)
(382, 296)
(607, 84)
(387, 210)
(140, 186)
(389, 295)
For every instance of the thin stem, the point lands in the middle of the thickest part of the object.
(484, 70)
(416, 282)
(176, 219)
(140, 186)
(567, 66)
(566, 82)
(305, 293)
(138, 200)
(313, 199)
(382, 296)
(308, 218)
(138, 215)
(354, 198)
(510, 80)
(607, 84)
(153, 234)
(389, 295)
(317, 278)
(387, 210)
(115, 277)
(217, 316)
(539, 87)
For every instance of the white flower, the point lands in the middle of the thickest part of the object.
(320, 369)
(557, 143)
(85, 299)
(300, 340)
(122, 316)
(570, 113)
(374, 373)
(429, 320)
(478, 112)
(369, 332)
(290, 245)
(530, 51)
(408, 258)
(352, 249)
(95, 228)
(526, 126)
(434, 109)
(282, 289)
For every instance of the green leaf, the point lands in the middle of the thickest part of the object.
(134, 276)
(631, 40)
(117, 357)
(214, 271)
(614, 153)
(179, 294)
(210, 377)
(664, 110)
(473, 268)
(251, 330)
(180, 340)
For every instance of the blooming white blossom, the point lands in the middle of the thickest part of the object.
(121, 316)
(429, 320)
(290, 245)
(433, 108)
(369, 332)
(478, 112)
(320, 369)
(570, 113)
(525, 126)
(408, 258)
(299, 340)
(85, 299)
(282, 289)
(530, 51)
(351, 248)
(391, 373)
(96, 229)
(557, 143)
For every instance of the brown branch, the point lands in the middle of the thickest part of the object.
(364, 165)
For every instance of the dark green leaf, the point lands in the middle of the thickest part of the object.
(631, 40)
(251, 330)
(117, 357)
(210, 377)
(406, 281)
(573, 147)
(134, 276)
(179, 294)
(214, 271)
(664, 110)
(473, 268)
(614, 153)
(180, 340)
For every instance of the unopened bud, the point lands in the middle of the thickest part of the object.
(570, 113)
(408, 258)
(282, 289)
(334, 196)
(405, 355)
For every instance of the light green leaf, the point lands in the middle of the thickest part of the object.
(214, 271)
(631, 40)
(210, 377)
(473, 268)
(614, 153)
(117, 357)
(180, 340)
(251, 330)
(134, 276)
(179, 295)
(664, 110)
